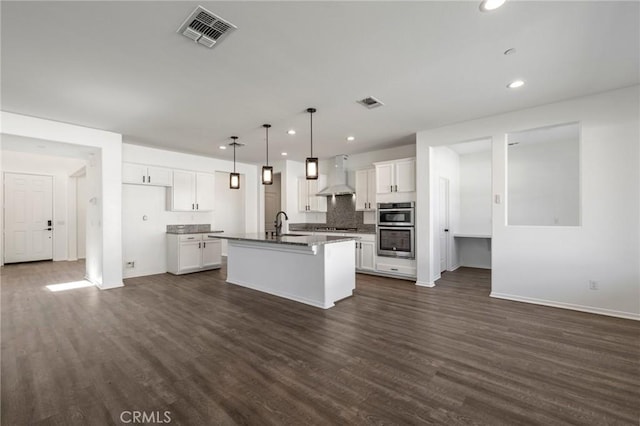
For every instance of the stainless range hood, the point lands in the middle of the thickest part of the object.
(337, 178)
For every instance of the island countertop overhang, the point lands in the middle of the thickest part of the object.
(301, 240)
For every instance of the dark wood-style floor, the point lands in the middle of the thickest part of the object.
(213, 353)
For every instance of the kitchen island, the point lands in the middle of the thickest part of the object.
(317, 270)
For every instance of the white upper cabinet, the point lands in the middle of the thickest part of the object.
(142, 174)
(192, 191)
(308, 201)
(396, 176)
(205, 191)
(366, 190)
(405, 175)
(384, 178)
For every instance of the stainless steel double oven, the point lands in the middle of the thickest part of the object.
(396, 230)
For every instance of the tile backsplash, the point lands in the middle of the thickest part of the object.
(341, 213)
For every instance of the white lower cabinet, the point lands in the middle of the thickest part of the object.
(396, 267)
(365, 251)
(366, 260)
(193, 253)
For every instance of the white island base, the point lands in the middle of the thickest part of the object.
(317, 275)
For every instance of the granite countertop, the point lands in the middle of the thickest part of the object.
(201, 228)
(359, 231)
(291, 239)
(181, 231)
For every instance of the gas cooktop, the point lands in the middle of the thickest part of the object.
(331, 228)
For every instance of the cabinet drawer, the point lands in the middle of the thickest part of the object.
(396, 269)
(190, 237)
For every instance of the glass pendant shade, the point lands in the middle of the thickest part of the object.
(311, 163)
(311, 168)
(267, 171)
(267, 175)
(234, 178)
(234, 181)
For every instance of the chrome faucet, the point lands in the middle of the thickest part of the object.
(278, 222)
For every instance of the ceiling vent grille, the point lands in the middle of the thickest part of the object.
(205, 27)
(370, 102)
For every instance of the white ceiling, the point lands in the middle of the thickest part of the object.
(45, 147)
(120, 66)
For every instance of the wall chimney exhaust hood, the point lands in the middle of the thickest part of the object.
(337, 178)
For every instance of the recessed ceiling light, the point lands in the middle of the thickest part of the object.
(510, 51)
(284, 154)
(351, 138)
(291, 132)
(488, 5)
(515, 84)
(222, 147)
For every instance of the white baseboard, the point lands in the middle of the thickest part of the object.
(425, 283)
(102, 286)
(573, 307)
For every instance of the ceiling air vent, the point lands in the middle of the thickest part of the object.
(370, 102)
(205, 27)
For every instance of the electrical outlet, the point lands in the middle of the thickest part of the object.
(593, 285)
(131, 264)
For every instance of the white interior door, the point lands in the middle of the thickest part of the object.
(28, 217)
(272, 202)
(443, 222)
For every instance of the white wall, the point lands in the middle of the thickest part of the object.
(544, 183)
(230, 207)
(553, 265)
(81, 215)
(60, 168)
(475, 193)
(144, 241)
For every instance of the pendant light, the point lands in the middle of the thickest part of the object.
(234, 178)
(311, 163)
(267, 171)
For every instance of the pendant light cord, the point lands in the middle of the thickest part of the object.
(235, 143)
(267, 145)
(311, 119)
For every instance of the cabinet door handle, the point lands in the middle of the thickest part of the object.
(191, 238)
(193, 206)
(396, 188)
(199, 245)
(143, 179)
(204, 245)
(391, 188)
(149, 179)
(197, 206)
